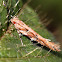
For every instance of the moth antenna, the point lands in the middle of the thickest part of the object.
(16, 3)
(30, 18)
(36, 10)
(17, 12)
(8, 9)
(21, 40)
(23, 7)
(15, 6)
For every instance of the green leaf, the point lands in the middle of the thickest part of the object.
(12, 50)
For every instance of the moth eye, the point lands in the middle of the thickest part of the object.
(14, 22)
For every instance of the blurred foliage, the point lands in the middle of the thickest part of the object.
(10, 46)
(52, 9)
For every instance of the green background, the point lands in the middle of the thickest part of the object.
(10, 46)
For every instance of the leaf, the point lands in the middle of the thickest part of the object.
(11, 49)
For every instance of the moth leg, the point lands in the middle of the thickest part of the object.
(20, 35)
(21, 41)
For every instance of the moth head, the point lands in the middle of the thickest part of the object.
(14, 20)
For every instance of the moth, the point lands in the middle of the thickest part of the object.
(24, 29)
